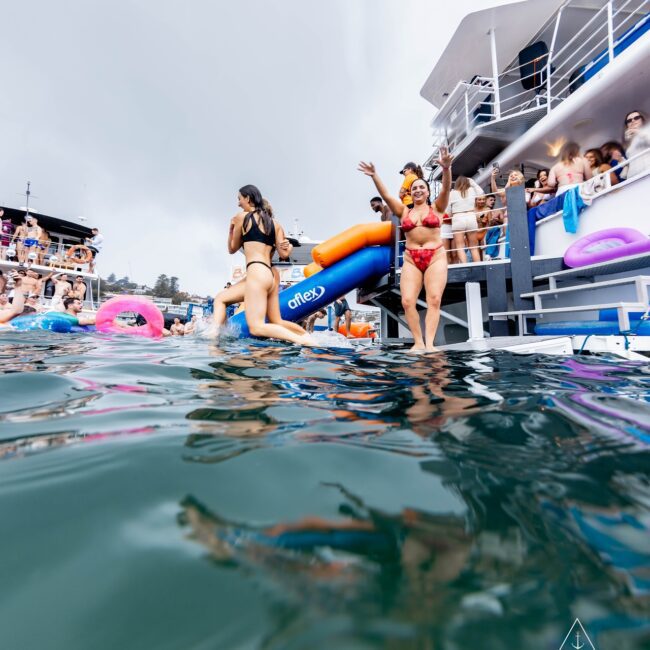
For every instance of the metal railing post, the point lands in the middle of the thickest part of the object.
(474, 311)
(466, 112)
(610, 31)
(495, 75)
(550, 57)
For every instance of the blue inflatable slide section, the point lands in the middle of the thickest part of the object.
(323, 288)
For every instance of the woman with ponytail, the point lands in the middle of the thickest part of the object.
(411, 173)
(258, 234)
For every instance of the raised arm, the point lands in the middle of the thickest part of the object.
(234, 235)
(396, 206)
(477, 188)
(444, 160)
(493, 180)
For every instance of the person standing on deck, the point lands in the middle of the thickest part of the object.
(425, 260)
(411, 173)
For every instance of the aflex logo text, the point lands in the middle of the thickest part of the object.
(307, 296)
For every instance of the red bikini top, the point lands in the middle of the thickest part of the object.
(430, 221)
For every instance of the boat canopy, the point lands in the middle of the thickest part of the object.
(469, 52)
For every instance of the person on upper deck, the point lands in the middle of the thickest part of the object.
(425, 260)
(614, 156)
(256, 232)
(462, 201)
(515, 177)
(411, 172)
(571, 170)
(541, 191)
(637, 138)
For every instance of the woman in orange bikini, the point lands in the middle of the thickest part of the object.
(425, 261)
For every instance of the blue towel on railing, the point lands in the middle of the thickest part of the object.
(573, 206)
(542, 211)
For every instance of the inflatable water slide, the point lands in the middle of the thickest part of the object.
(341, 264)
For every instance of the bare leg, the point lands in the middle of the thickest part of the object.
(337, 322)
(273, 309)
(410, 287)
(459, 245)
(259, 287)
(348, 323)
(472, 239)
(227, 297)
(435, 280)
(20, 252)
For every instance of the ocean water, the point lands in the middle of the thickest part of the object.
(192, 495)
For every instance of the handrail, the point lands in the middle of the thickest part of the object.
(475, 104)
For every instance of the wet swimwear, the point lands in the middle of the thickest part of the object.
(430, 221)
(422, 257)
(255, 233)
(28, 243)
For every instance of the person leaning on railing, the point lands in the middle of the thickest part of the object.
(637, 135)
(463, 217)
(614, 156)
(571, 170)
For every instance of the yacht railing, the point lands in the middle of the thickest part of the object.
(53, 254)
(551, 77)
(500, 244)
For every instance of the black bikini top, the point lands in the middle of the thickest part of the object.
(255, 233)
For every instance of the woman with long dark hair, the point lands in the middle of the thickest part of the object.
(258, 234)
(425, 259)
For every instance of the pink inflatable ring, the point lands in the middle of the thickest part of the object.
(109, 311)
(605, 245)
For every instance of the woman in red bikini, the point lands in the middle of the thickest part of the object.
(425, 261)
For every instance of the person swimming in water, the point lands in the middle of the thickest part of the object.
(425, 260)
(258, 234)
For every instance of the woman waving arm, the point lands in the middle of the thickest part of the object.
(444, 160)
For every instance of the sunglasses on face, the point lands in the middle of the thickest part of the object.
(633, 118)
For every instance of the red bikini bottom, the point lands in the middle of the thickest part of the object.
(422, 257)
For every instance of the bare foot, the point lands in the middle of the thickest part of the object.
(307, 341)
(431, 348)
(418, 348)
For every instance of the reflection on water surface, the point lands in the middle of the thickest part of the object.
(188, 495)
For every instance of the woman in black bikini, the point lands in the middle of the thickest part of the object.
(255, 232)
(425, 260)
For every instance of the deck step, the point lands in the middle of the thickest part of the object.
(620, 265)
(644, 280)
(627, 306)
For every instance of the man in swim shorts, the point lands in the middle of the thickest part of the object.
(342, 309)
(27, 237)
(379, 206)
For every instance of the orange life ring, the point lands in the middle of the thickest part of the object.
(72, 254)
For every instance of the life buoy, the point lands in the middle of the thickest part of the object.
(605, 245)
(72, 254)
(105, 321)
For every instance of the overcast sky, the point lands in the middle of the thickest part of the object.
(146, 116)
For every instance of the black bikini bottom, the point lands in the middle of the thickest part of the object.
(268, 266)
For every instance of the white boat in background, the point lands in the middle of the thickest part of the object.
(514, 83)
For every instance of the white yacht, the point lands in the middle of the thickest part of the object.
(514, 83)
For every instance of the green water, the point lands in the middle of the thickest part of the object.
(181, 494)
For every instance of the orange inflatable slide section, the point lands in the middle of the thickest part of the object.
(349, 241)
(359, 330)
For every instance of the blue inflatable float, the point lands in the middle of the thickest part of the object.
(51, 321)
(323, 288)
